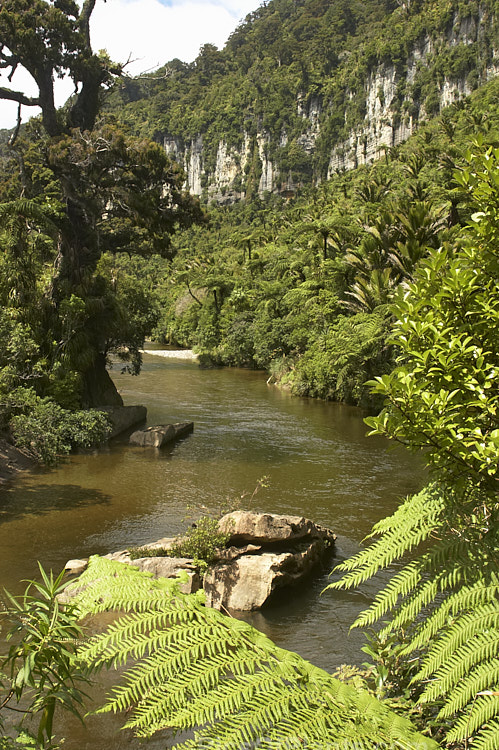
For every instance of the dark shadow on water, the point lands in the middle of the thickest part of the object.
(18, 502)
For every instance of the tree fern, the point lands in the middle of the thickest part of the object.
(195, 668)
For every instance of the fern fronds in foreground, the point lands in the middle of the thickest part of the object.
(447, 598)
(195, 668)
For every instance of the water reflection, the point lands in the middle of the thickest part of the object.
(42, 499)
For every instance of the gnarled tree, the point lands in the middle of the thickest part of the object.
(105, 191)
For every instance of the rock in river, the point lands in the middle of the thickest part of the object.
(290, 547)
(266, 552)
(159, 435)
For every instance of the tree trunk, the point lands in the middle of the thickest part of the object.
(98, 388)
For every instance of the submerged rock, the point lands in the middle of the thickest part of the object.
(171, 567)
(160, 435)
(159, 567)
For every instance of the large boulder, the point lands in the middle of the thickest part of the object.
(269, 528)
(247, 582)
(123, 418)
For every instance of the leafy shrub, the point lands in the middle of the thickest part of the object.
(138, 552)
(48, 431)
(201, 541)
(337, 365)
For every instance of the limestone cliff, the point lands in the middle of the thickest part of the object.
(299, 93)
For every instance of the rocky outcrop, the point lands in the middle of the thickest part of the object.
(160, 435)
(266, 552)
(269, 528)
(248, 581)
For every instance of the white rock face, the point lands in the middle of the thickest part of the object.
(266, 183)
(194, 166)
(226, 168)
(386, 124)
(312, 114)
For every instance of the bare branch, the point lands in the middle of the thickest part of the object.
(19, 97)
(14, 135)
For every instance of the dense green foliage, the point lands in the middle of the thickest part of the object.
(73, 186)
(197, 668)
(301, 288)
(443, 398)
(436, 656)
(40, 670)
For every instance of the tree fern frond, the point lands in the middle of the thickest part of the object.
(412, 524)
(484, 677)
(467, 598)
(488, 737)
(469, 625)
(198, 669)
(483, 709)
(482, 648)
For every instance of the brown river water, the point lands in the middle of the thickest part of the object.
(316, 455)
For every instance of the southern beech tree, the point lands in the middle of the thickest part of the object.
(102, 191)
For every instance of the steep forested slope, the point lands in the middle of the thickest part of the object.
(301, 287)
(305, 88)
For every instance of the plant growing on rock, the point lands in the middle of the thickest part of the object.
(202, 541)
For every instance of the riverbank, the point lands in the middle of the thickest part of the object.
(13, 461)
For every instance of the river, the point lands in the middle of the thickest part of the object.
(315, 455)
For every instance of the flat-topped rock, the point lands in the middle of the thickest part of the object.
(75, 567)
(270, 528)
(160, 435)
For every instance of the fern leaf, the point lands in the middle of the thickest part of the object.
(197, 669)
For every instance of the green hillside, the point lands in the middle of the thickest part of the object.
(301, 287)
(291, 84)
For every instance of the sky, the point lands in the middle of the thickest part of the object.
(149, 33)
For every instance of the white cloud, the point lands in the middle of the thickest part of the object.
(150, 33)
